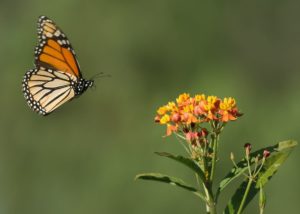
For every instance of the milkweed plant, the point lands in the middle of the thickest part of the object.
(198, 122)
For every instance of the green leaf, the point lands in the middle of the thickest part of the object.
(170, 180)
(190, 163)
(242, 165)
(279, 154)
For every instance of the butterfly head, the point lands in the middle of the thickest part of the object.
(82, 85)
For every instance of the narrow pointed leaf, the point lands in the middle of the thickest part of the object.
(278, 157)
(169, 180)
(242, 165)
(190, 163)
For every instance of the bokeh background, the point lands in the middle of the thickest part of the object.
(83, 157)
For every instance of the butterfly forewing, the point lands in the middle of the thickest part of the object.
(54, 49)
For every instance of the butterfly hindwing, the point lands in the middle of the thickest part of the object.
(46, 89)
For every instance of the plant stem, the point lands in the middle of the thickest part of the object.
(215, 141)
(210, 205)
(245, 195)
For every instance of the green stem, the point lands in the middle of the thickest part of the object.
(215, 142)
(261, 165)
(245, 196)
(210, 205)
(261, 211)
(201, 196)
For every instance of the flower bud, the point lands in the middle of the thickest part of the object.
(266, 153)
(247, 147)
(190, 136)
(157, 119)
(231, 156)
(175, 117)
(197, 110)
(204, 132)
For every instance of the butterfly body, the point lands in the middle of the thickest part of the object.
(56, 78)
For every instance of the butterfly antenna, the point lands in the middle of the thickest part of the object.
(100, 75)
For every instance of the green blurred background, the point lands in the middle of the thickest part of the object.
(83, 157)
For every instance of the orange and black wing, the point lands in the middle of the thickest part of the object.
(56, 78)
(54, 50)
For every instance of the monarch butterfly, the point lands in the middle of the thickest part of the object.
(56, 77)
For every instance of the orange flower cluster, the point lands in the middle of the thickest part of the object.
(189, 110)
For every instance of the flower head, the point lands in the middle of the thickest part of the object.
(188, 112)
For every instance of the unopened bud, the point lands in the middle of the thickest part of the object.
(266, 153)
(231, 156)
(175, 117)
(247, 147)
(157, 119)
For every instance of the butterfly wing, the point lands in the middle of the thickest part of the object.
(45, 89)
(54, 49)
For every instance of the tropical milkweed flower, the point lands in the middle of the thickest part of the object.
(191, 111)
(198, 122)
(228, 109)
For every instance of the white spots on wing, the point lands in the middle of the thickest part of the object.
(57, 33)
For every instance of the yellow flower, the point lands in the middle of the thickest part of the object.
(182, 98)
(228, 104)
(171, 106)
(212, 99)
(210, 103)
(162, 110)
(199, 97)
(165, 119)
(188, 108)
(228, 109)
